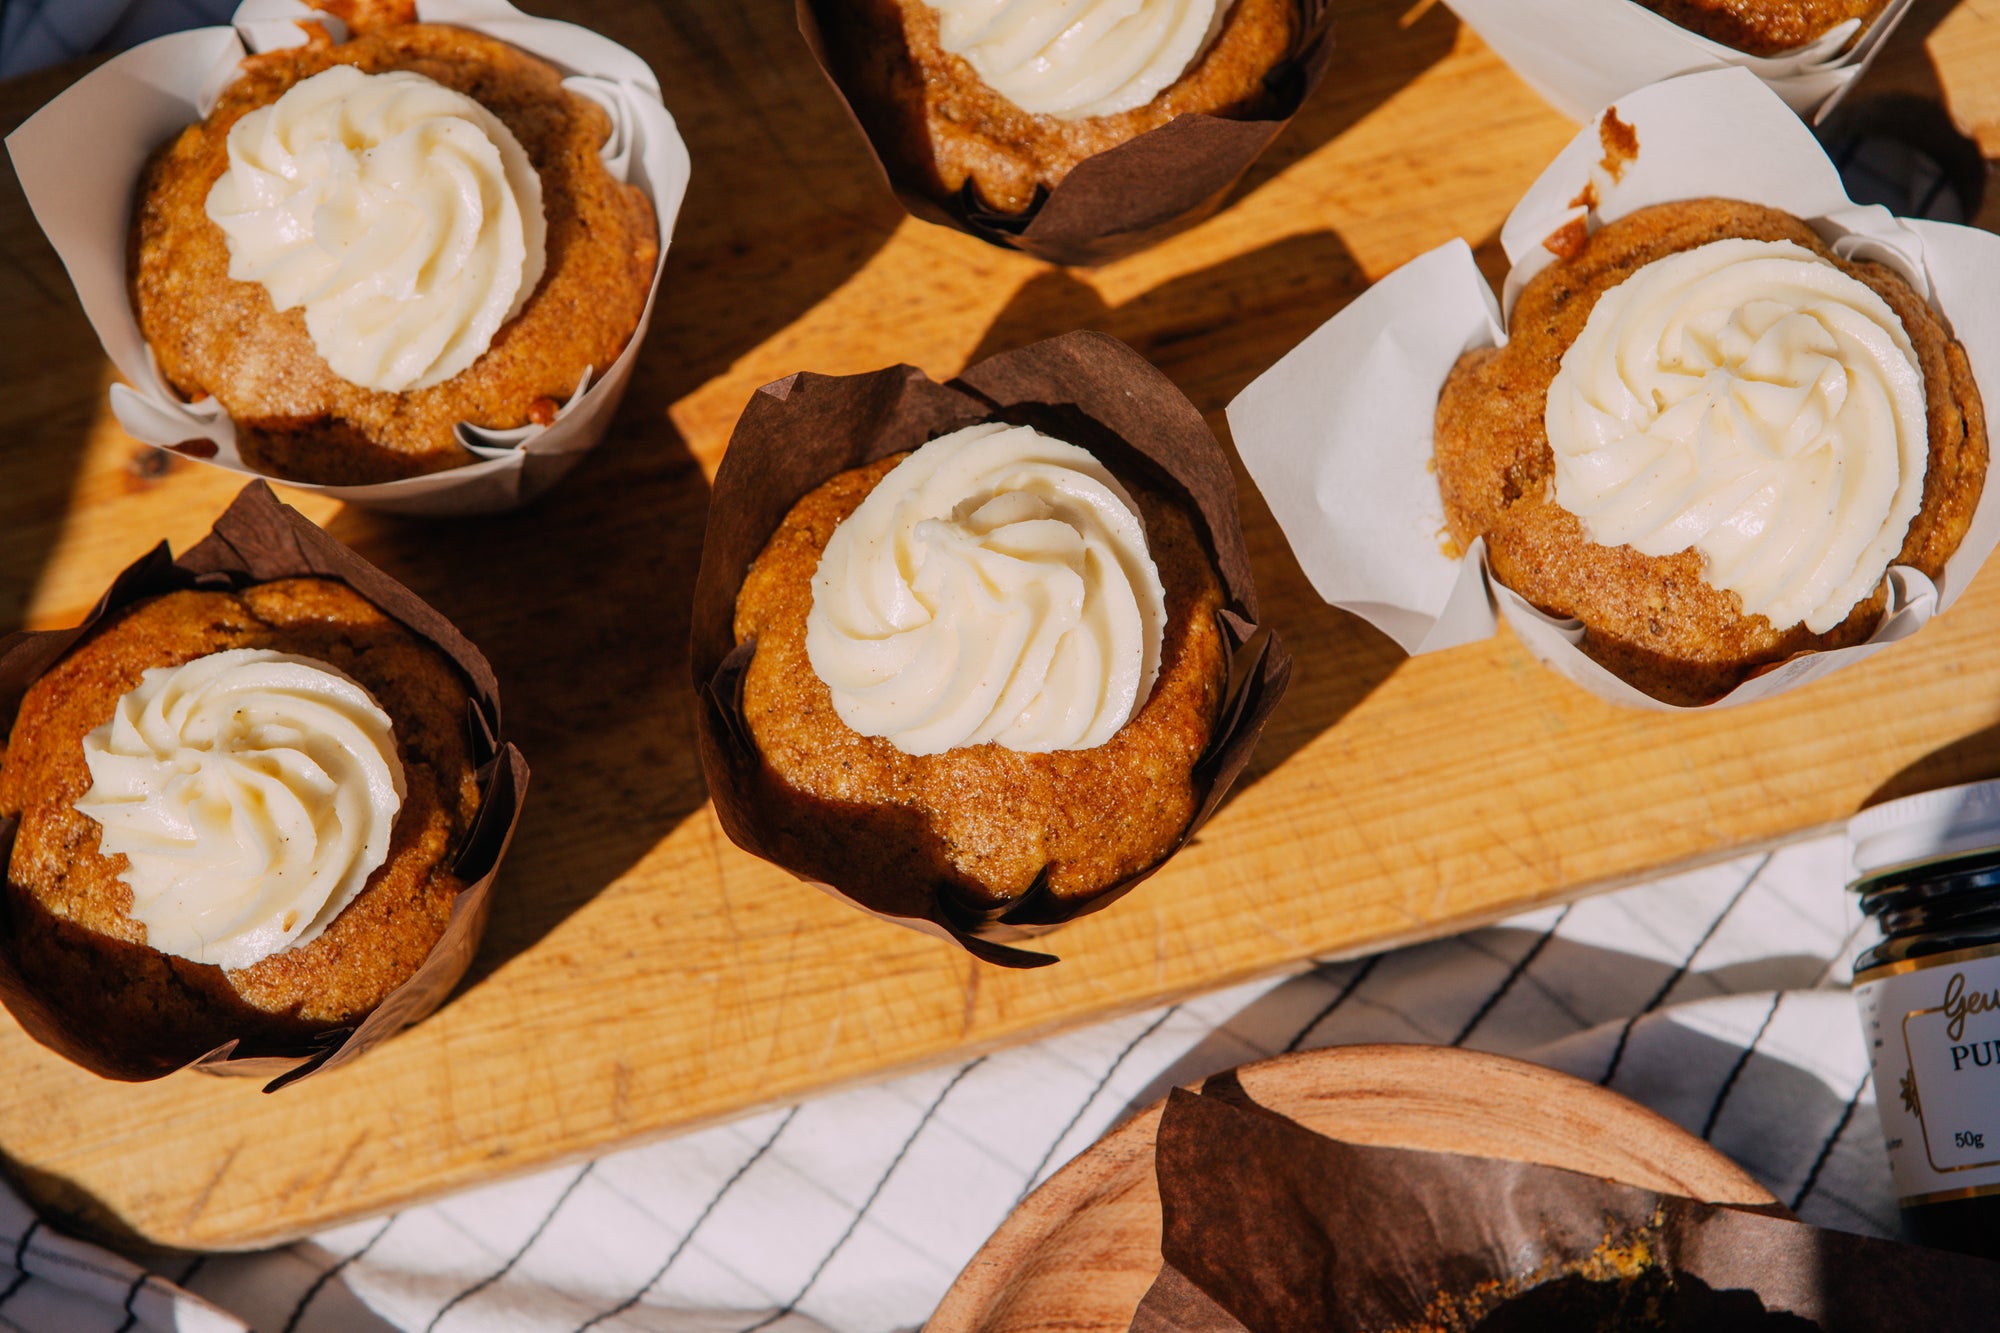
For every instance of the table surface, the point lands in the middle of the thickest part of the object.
(641, 974)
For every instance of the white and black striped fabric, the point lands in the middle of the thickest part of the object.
(1717, 997)
(49, 1281)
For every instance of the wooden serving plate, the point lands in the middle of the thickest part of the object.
(1081, 1251)
(643, 976)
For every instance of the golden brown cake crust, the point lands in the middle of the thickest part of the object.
(929, 108)
(68, 909)
(294, 417)
(1763, 27)
(982, 819)
(1651, 620)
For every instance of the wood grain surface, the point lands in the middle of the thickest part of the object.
(642, 975)
(1081, 1251)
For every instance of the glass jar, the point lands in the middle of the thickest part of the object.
(1927, 869)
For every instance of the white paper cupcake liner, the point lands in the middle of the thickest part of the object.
(125, 109)
(1338, 434)
(1585, 54)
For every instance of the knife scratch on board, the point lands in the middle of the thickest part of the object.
(200, 1204)
(972, 966)
(340, 1166)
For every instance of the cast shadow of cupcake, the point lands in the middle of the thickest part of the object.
(54, 389)
(785, 203)
(1275, 297)
(1974, 758)
(1380, 47)
(581, 604)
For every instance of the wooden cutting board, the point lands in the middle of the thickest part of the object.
(642, 975)
(1080, 1252)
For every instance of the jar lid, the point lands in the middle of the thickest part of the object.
(1932, 826)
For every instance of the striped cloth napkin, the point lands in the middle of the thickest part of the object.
(1717, 997)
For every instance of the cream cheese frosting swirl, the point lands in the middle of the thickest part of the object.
(1752, 401)
(1077, 58)
(403, 217)
(252, 794)
(994, 586)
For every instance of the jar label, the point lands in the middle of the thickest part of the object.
(1933, 1032)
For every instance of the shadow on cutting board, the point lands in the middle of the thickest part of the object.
(581, 604)
(52, 378)
(786, 203)
(1975, 758)
(1379, 48)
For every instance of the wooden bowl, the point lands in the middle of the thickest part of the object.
(1080, 1252)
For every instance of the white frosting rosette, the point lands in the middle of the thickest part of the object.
(403, 218)
(1338, 434)
(1585, 54)
(1058, 58)
(995, 587)
(131, 104)
(1750, 401)
(251, 793)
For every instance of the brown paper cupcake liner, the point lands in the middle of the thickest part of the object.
(258, 539)
(798, 432)
(1268, 1226)
(1125, 198)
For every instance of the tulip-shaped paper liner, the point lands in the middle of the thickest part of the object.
(1118, 201)
(1338, 434)
(799, 432)
(259, 540)
(129, 106)
(1581, 54)
(1271, 1228)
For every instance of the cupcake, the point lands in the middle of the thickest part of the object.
(994, 660)
(411, 268)
(367, 243)
(243, 808)
(986, 111)
(1764, 27)
(1719, 434)
(1707, 439)
(988, 660)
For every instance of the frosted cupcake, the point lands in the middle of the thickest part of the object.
(988, 663)
(1719, 434)
(1708, 439)
(250, 811)
(368, 243)
(977, 657)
